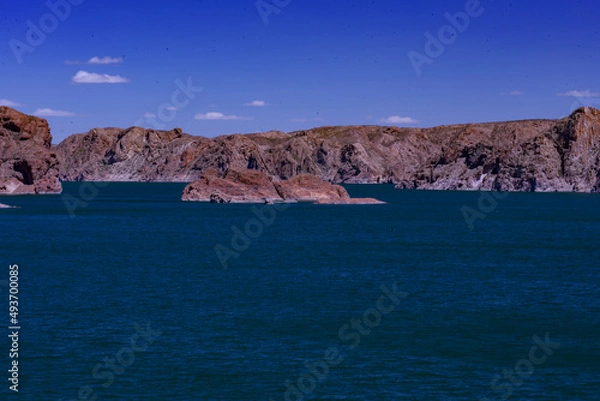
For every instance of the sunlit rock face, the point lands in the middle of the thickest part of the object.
(529, 155)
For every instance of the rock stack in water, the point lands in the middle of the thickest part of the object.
(27, 163)
(253, 186)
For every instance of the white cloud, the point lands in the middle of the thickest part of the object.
(213, 115)
(399, 120)
(97, 60)
(53, 113)
(513, 93)
(84, 77)
(149, 115)
(576, 93)
(257, 103)
(172, 108)
(105, 60)
(9, 103)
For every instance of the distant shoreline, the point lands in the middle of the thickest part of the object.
(515, 156)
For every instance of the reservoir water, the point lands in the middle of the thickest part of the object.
(132, 294)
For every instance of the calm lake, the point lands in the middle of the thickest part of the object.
(132, 294)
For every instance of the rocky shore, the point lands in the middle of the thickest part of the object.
(528, 155)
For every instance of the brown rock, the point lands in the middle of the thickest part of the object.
(133, 154)
(235, 186)
(253, 186)
(350, 201)
(309, 188)
(27, 163)
(530, 155)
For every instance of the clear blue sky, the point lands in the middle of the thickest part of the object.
(315, 63)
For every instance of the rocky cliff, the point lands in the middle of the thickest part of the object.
(532, 155)
(27, 163)
(536, 155)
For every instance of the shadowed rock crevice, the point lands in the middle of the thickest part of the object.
(24, 169)
(11, 126)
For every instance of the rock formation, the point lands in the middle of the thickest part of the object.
(253, 186)
(531, 155)
(243, 186)
(27, 163)
(535, 155)
(309, 188)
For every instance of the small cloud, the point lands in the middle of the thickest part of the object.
(172, 108)
(257, 103)
(149, 115)
(9, 103)
(53, 113)
(105, 60)
(84, 77)
(298, 120)
(217, 116)
(399, 120)
(97, 61)
(513, 93)
(576, 93)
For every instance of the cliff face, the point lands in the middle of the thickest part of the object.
(27, 163)
(533, 155)
(134, 154)
(536, 155)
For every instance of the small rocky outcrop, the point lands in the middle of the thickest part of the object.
(27, 163)
(254, 186)
(235, 186)
(309, 188)
(349, 201)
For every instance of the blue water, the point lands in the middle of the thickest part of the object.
(471, 300)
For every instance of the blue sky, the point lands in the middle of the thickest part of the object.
(217, 67)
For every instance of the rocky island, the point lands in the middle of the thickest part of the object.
(254, 186)
(27, 163)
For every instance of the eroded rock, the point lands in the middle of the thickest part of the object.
(529, 155)
(27, 163)
(253, 186)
